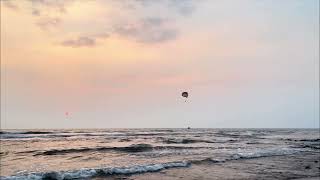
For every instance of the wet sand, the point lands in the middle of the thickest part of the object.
(297, 166)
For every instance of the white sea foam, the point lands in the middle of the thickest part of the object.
(256, 153)
(93, 172)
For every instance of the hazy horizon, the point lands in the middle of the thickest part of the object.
(143, 128)
(124, 64)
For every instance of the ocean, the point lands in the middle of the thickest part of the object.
(159, 153)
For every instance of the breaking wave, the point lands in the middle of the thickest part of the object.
(264, 153)
(128, 149)
(98, 172)
(107, 171)
(186, 141)
(131, 148)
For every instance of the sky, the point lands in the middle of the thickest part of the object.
(125, 63)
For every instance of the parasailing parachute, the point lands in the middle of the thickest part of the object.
(66, 114)
(185, 94)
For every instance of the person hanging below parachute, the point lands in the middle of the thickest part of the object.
(185, 95)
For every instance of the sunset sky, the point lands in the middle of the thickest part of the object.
(124, 63)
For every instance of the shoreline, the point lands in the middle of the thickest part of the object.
(301, 166)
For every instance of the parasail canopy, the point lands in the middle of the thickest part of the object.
(185, 94)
